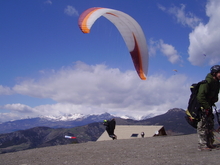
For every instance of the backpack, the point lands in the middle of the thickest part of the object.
(193, 112)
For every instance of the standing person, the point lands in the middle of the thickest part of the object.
(207, 97)
(110, 128)
(142, 134)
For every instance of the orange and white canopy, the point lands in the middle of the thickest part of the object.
(130, 30)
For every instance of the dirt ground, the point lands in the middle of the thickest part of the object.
(172, 150)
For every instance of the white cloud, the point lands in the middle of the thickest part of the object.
(182, 17)
(9, 116)
(170, 52)
(48, 2)
(16, 111)
(97, 89)
(205, 38)
(71, 11)
(5, 90)
(154, 46)
(17, 108)
(186, 19)
(161, 7)
(167, 50)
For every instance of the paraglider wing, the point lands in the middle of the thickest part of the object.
(70, 137)
(129, 29)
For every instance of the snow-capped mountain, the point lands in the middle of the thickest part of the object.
(66, 117)
(146, 117)
(76, 116)
(65, 121)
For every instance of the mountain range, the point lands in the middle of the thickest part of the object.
(66, 121)
(42, 132)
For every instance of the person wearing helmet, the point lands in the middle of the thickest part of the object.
(110, 127)
(207, 97)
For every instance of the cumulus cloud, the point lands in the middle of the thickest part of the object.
(71, 11)
(97, 89)
(16, 111)
(181, 16)
(17, 108)
(167, 50)
(170, 52)
(10, 116)
(5, 90)
(205, 38)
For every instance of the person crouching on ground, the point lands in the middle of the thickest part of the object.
(110, 127)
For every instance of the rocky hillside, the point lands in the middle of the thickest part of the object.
(168, 150)
(44, 136)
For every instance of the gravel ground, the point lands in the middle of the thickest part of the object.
(170, 150)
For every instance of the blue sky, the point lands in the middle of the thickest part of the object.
(49, 67)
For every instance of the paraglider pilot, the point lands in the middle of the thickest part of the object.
(110, 127)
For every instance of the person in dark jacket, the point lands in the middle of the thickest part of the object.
(207, 97)
(142, 134)
(110, 128)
